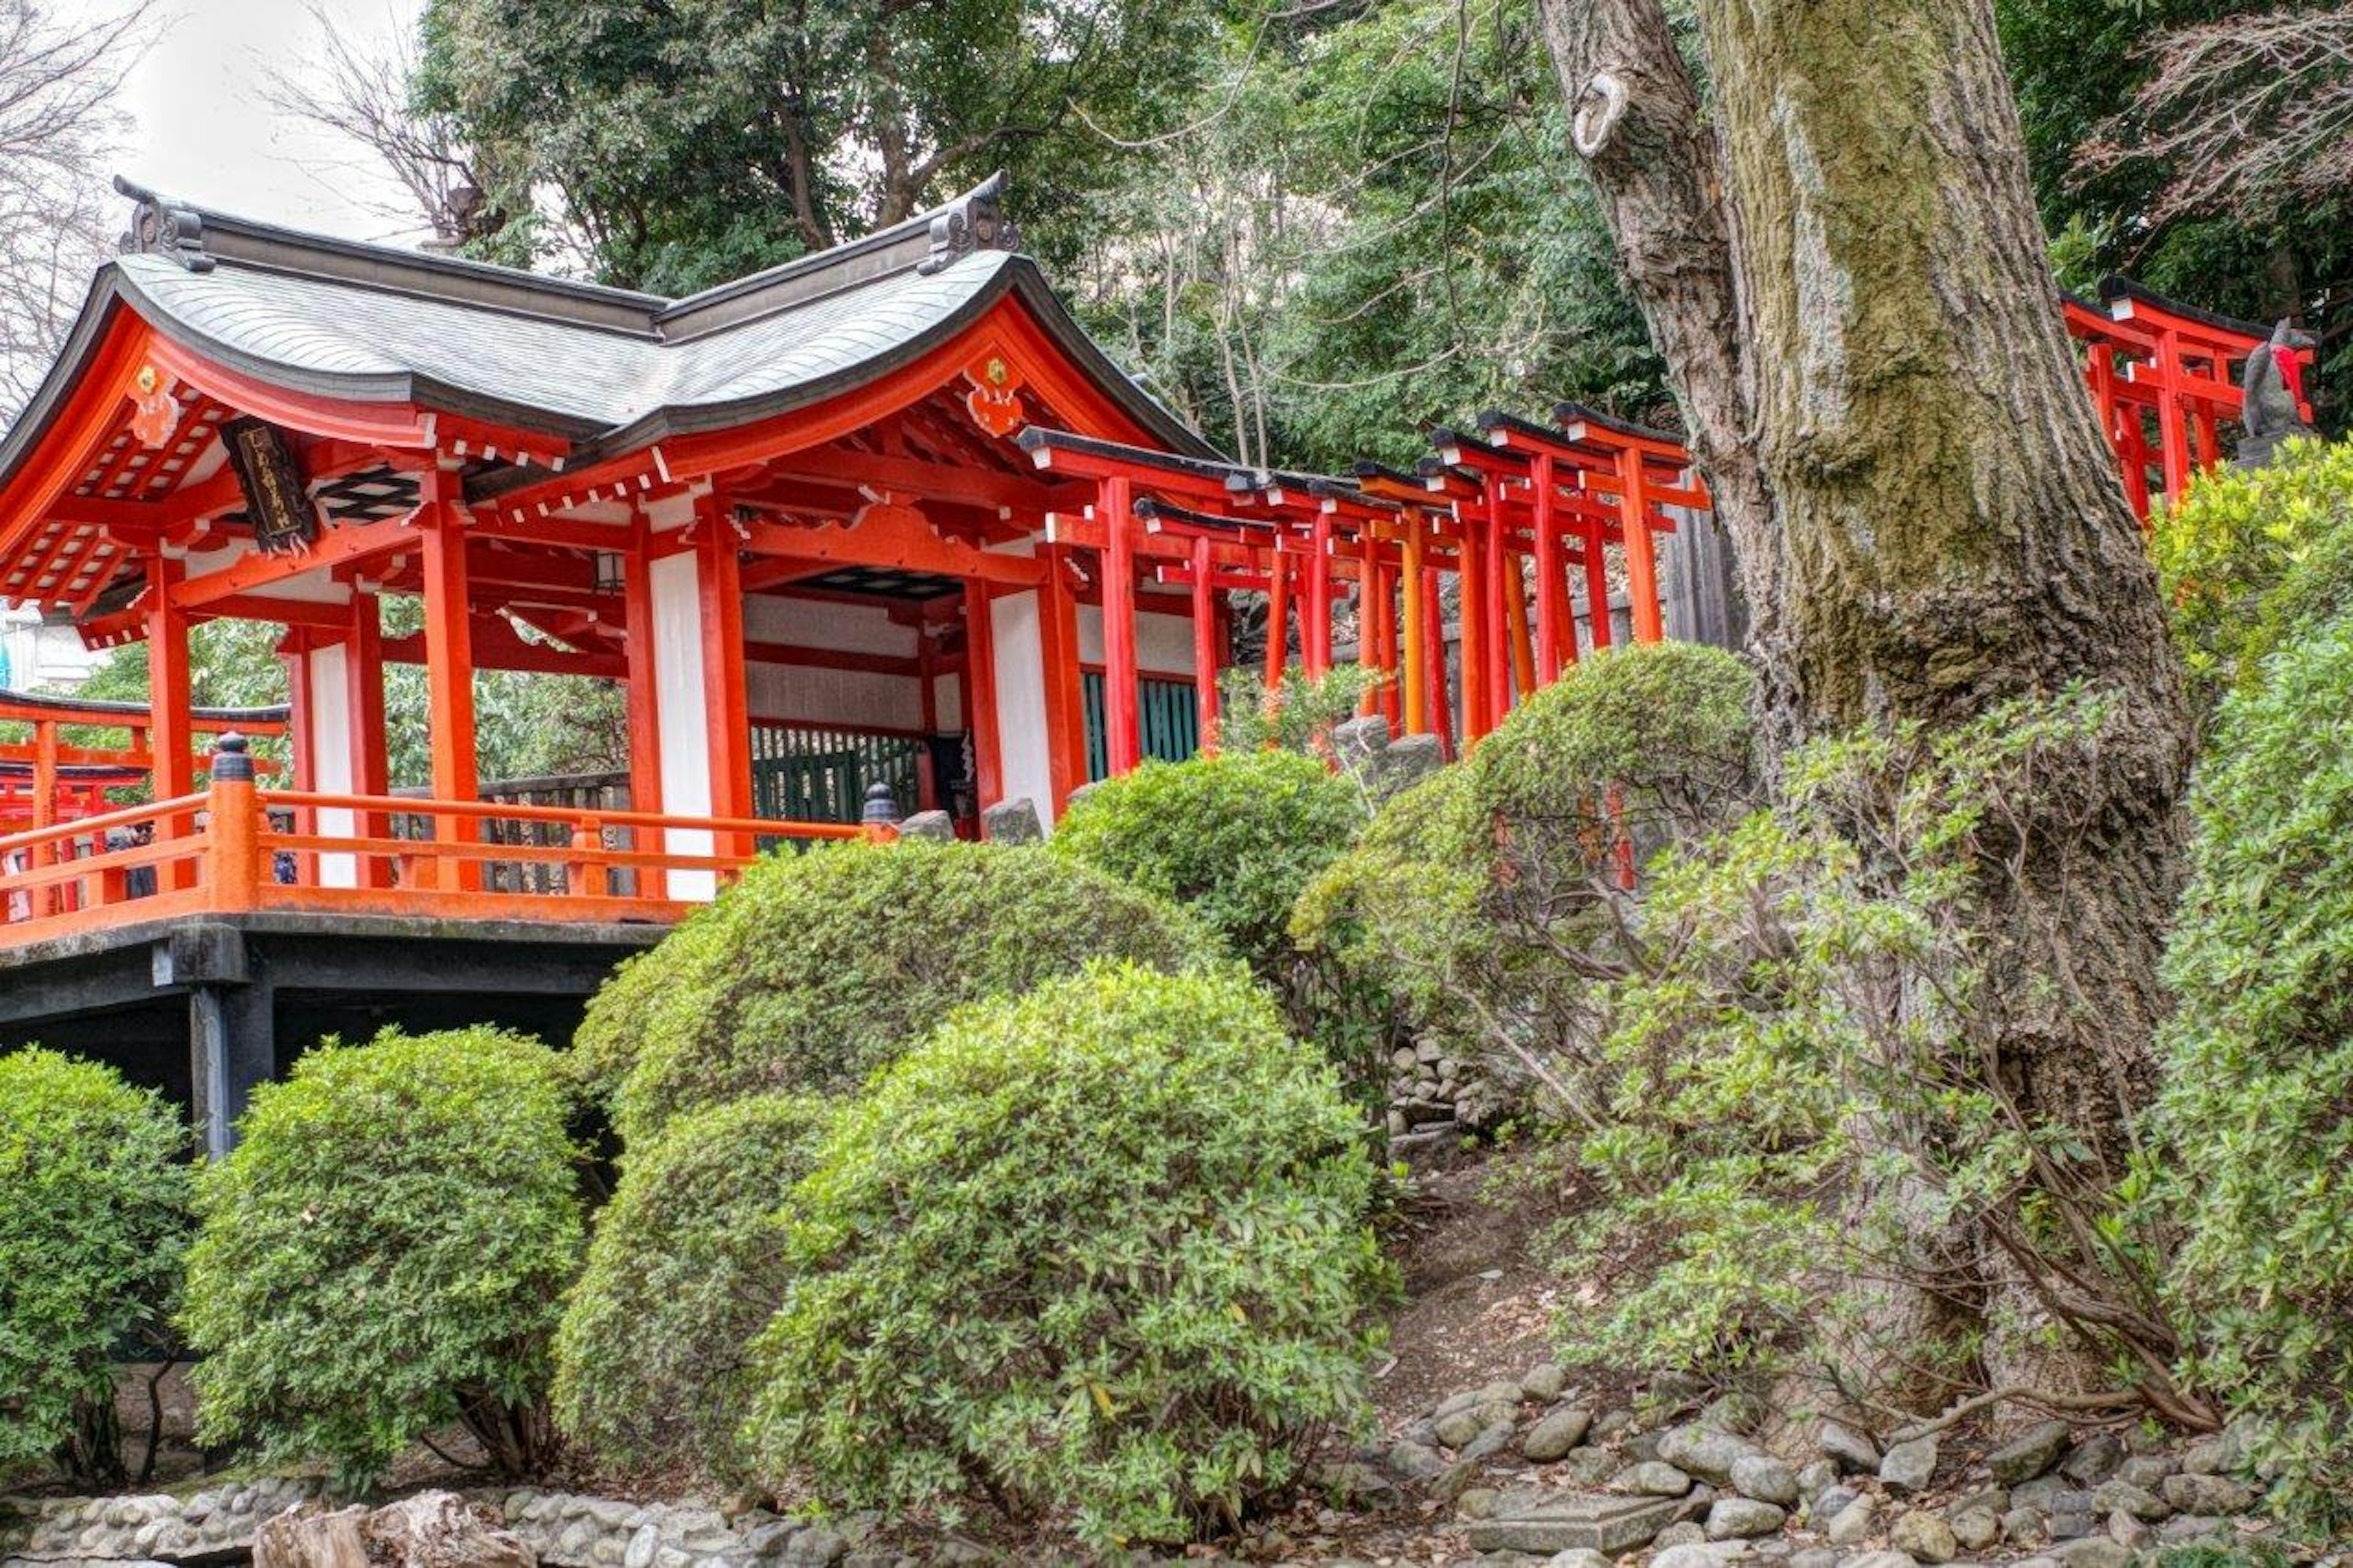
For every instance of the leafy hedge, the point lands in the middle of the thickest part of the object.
(817, 968)
(1234, 838)
(2253, 559)
(2256, 1116)
(1476, 899)
(684, 1271)
(1100, 1250)
(93, 1219)
(386, 1253)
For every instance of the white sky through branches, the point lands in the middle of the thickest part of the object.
(203, 129)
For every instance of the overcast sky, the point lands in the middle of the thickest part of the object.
(203, 130)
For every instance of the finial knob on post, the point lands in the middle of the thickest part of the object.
(230, 762)
(881, 806)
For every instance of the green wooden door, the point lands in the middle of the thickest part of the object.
(1168, 723)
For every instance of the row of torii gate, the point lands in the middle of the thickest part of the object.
(1550, 532)
(1563, 515)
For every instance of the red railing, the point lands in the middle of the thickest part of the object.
(237, 848)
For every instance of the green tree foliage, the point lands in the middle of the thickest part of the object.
(816, 968)
(1296, 713)
(93, 1219)
(2257, 1109)
(385, 1254)
(525, 725)
(1234, 838)
(683, 145)
(685, 1268)
(1367, 220)
(1100, 1251)
(2106, 168)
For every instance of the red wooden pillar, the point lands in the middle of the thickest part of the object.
(1471, 601)
(1642, 563)
(1433, 646)
(1278, 614)
(727, 714)
(449, 671)
(1596, 579)
(1496, 560)
(980, 694)
(1552, 587)
(1058, 656)
(1205, 647)
(1121, 730)
(642, 692)
(170, 738)
(2172, 430)
(1315, 611)
(1413, 693)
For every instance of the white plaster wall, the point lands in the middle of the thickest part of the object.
(680, 717)
(1024, 757)
(850, 628)
(853, 699)
(948, 700)
(329, 720)
(1163, 643)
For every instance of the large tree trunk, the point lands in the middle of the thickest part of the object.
(1847, 278)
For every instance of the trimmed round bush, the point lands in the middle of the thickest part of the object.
(1100, 1252)
(1654, 740)
(817, 968)
(2255, 1161)
(1474, 899)
(386, 1253)
(684, 1271)
(93, 1219)
(1234, 838)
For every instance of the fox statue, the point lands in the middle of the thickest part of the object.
(2272, 388)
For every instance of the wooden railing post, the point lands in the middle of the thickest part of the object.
(586, 875)
(232, 847)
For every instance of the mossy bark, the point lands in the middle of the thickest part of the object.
(1841, 260)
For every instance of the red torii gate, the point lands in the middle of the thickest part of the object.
(2154, 361)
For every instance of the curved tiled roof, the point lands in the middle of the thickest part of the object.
(607, 369)
(331, 336)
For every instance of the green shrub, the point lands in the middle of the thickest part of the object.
(1100, 1251)
(1485, 901)
(683, 1272)
(93, 1218)
(1234, 838)
(605, 1045)
(2253, 559)
(1296, 713)
(817, 968)
(386, 1252)
(2255, 1157)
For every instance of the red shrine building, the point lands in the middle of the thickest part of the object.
(880, 522)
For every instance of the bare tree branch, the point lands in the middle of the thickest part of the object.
(59, 129)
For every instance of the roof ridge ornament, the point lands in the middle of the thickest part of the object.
(974, 221)
(161, 227)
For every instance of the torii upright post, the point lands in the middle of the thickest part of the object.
(1121, 727)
